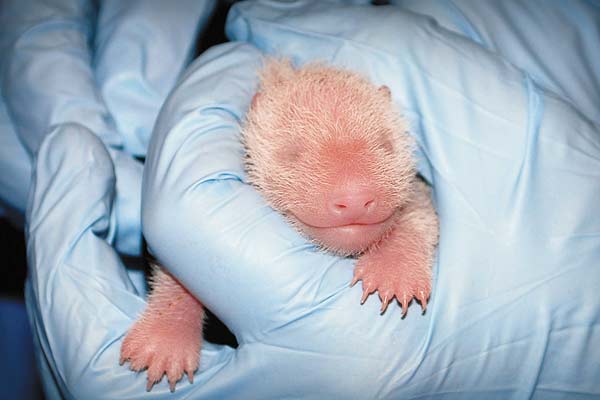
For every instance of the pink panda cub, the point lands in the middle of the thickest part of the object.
(329, 151)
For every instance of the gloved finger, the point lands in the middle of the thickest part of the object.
(127, 206)
(48, 69)
(79, 296)
(82, 296)
(49, 81)
(554, 42)
(208, 227)
(141, 49)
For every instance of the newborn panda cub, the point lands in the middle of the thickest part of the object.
(328, 150)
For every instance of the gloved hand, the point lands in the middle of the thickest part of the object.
(108, 69)
(513, 305)
(79, 297)
(54, 77)
(513, 308)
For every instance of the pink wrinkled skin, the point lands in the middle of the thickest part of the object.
(328, 150)
(167, 338)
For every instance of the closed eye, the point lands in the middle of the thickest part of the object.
(292, 153)
(387, 146)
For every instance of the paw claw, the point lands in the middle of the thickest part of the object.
(149, 385)
(384, 304)
(354, 280)
(364, 297)
(367, 290)
(404, 303)
(380, 274)
(423, 300)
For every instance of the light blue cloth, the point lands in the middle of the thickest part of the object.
(514, 312)
(515, 172)
(555, 41)
(108, 69)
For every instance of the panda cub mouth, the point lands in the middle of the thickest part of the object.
(348, 239)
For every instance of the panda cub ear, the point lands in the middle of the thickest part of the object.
(385, 91)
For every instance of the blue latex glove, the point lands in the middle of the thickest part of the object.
(514, 311)
(79, 297)
(555, 41)
(513, 306)
(52, 73)
(514, 169)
